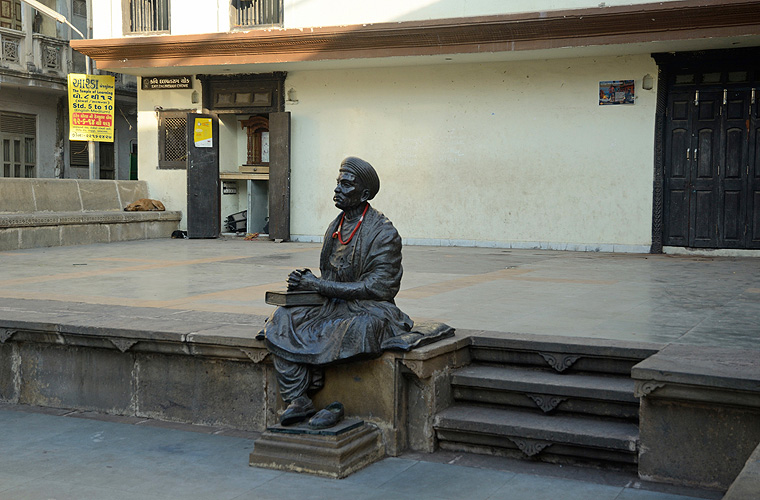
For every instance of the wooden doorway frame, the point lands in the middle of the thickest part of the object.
(668, 64)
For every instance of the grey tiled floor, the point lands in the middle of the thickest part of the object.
(44, 456)
(219, 285)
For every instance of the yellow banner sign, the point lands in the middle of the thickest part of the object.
(91, 107)
(202, 133)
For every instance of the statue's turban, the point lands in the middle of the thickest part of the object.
(364, 172)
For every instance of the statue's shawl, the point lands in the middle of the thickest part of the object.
(357, 324)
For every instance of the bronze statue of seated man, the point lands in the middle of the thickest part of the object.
(360, 268)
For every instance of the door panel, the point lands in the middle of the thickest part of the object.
(677, 171)
(732, 219)
(753, 177)
(203, 196)
(712, 184)
(279, 176)
(733, 172)
(704, 189)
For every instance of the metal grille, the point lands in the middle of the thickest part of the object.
(79, 7)
(175, 139)
(148, 15)
(257, 12)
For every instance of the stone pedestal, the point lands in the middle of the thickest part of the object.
(335, 452)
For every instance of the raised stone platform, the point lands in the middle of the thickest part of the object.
(198, 370)
(58, 212)
(700, 414)
(335, 452)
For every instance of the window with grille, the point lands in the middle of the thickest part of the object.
(246, 13)
(172, 139)
(18, 136)
(146, 16)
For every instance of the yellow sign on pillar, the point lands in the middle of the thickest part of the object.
(202, 135)
(91, 107)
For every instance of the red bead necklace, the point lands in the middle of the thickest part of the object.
(336, 234)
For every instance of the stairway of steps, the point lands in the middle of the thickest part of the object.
(557, 401)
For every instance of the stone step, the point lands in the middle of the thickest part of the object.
(521, 433)
(547, 390)
(563, 354)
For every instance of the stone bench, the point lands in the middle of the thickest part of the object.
(56, 212)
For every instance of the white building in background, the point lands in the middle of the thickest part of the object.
(486, 120)
(35, 59)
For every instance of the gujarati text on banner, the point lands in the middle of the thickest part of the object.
(91, 107)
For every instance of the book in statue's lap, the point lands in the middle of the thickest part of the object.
(287, 298)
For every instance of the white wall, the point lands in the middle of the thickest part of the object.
(169, 186)
(208, 16)
(303, 13)
(505, 152)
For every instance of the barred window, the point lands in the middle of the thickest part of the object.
(18, 136)
(172, 139)
(146, 16)
(246, 13)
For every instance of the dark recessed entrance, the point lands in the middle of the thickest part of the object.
(708, 151)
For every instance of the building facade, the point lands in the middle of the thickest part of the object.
(622, 126)
(34, 131)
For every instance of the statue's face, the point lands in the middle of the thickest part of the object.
(349, 192)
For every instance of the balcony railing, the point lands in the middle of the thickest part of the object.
(52, 56)
(250, 13)
(145, 16)
(11, 48)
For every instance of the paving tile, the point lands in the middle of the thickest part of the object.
(379, 473)
(43, 489)
(529, 487)
(11, 481)
(293, 486)
(634, 494)
(447, 481)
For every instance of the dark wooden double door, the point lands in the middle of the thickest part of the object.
(712, 167)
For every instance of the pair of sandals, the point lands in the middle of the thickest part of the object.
(302, 408)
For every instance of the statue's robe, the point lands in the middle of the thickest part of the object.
(361, 280)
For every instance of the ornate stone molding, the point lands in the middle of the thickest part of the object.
(530, 447)
(255, 355)
(416, 366)
(559, 362)
(5, 334)
(646, 387)
(545, 402)
(123, 344)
